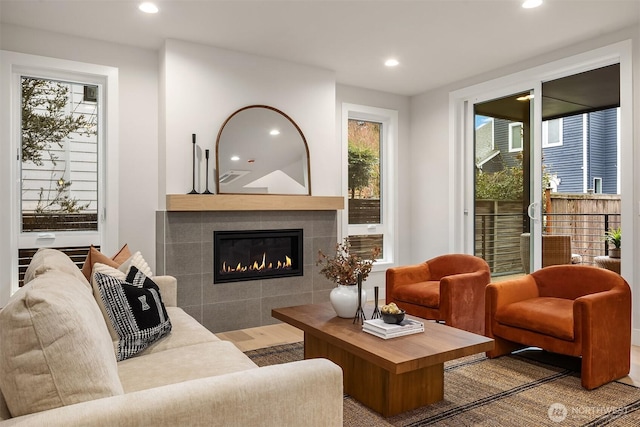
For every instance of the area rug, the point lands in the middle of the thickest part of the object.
(509, 391)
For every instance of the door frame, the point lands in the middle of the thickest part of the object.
(460, 136)
(535, 179)
(461, 133)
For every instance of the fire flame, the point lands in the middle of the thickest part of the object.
(256, 266)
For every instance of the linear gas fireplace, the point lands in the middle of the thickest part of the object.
(258, 254)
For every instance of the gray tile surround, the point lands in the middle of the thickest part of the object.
(184, 249)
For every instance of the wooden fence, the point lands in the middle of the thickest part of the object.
(584, 217)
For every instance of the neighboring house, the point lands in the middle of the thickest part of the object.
(580, 153)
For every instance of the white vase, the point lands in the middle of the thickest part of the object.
(344, 300)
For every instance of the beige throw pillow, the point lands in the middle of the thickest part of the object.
(137, 261)
(55, 349)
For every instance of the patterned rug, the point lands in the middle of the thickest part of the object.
(512, 390)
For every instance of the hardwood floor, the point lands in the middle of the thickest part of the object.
(282, 333)
(263, 336)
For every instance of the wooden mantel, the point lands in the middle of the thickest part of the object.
(252, 202)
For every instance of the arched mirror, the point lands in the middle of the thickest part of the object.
(260, 150)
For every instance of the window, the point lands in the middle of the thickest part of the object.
(59, 156)
(552, 133)
(515, 136)
(56, 122)
(370, 135)
(597, 185)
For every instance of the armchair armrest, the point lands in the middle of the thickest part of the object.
(510, 291)
(463, 293)
(168, 289)
(500, 294)
(398, 276)
(603, 321)
(307, 392)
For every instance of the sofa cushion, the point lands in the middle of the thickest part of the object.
(546, 315)
(182, 364)
(426, 294)
(55, 349)
(185, 330)
(95, 255)
(135, 310)
(46, 259)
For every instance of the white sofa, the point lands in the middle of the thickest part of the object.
(58, 367)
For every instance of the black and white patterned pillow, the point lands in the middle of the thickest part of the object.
(135, 309)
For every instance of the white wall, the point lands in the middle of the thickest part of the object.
(204, 85)
(405, 188)
(138, 119)
(429, 166)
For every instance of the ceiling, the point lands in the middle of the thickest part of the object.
(436, 41)
(592, 90)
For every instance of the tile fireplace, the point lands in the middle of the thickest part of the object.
(185, 249)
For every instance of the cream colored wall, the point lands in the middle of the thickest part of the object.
(203, 85)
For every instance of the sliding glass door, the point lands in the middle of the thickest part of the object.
(507, 196)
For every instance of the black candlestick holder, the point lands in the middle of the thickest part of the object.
(359, 317)
(206, 155)
(376, 311)
(193, 140)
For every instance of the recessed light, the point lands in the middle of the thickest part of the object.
(524, 98)
(148, 7)
(235, 158)
(391, 62)
(274, 132)
(530, 4)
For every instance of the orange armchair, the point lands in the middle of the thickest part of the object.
(449, 288)
(568, 309)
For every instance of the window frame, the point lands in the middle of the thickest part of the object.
(388, 186)
(597, 184)
(14, 66)
(511, 126)
(545, 134)
(28, 240)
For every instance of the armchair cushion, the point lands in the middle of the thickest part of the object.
(421, 293)
(549, 316)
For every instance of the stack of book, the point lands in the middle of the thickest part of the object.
(388, 330)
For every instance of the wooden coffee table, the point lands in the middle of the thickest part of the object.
(389, 376)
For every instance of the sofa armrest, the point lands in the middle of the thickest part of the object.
(398, 276)
(168, 289)
(307, 392)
